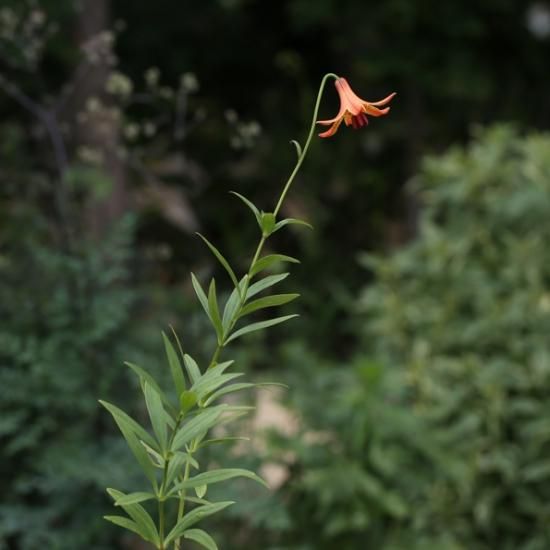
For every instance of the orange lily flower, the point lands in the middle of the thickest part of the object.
(353, 110)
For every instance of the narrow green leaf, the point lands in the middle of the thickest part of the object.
(231, 416)
(188, 399)
(201, 490)
(156, 414)
(139, 452)
(269, 260)
(141, 432)
(176, 465)
(259, 326)
(291, 221)
(218, 440)
(175, 365)
(221, 259)
(217, 476)
(205, 387)
(144, 376)
(250, 205)
(193, 517)
(146, 525)
(195, 500)
(192, 368)
(214, 311)
(267, 223)
(228, 389)
(134, 498)
(201, 537)
(128, 432)
(268, 301)
(204, 420)
(180, 349)
(204, 381)
(264, 283)
(124, 522)
(297, 146)
(158, 459)
(200, 294)
(232, 304)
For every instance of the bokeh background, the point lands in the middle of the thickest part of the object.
(417, 414)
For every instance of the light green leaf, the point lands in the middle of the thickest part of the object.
(221, 259)
(259, 326)
(158, 459)
(196, 500)
(202, 385)
(201, 490)
(232, 304)
(297, 146)
(201, 537)
(128, 431)
(217, 476)
(192, 368)
(267, 223)
(228, 389)
(268, 301)
(204, 420)
(141, 432)
(188, 400)
(250, 205)
(144, 376)
(269, 260)
(126, 523)
(264, 283)
(193, 517)
(134, 498)
(145, 524)
(200, 294)
(291, 221)
(214, 311)
(156, 414)
(206, 386)
(176, 464)
(175, 365)
(218, 440)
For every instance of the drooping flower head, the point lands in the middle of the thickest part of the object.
(353, 110)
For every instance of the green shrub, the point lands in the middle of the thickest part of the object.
(442, 442)
(465, 311)
(65, 321)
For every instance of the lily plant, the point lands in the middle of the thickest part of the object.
(182, 420)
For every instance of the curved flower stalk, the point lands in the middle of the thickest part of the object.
(181, 420)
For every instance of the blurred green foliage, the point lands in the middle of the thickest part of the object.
(60, 343)
(443, 440)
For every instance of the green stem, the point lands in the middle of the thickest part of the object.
(218, 349)
(286, 188)
(215, 356)
(219, 346)
(181, 507)
(161, 524)
(162, 520)
(308, 141)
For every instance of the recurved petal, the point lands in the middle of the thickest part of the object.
(374, 111)
(329, 121)
(387, 99)
(332, 130)
(340, 114)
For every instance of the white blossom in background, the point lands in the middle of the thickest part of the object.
(538, 20)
